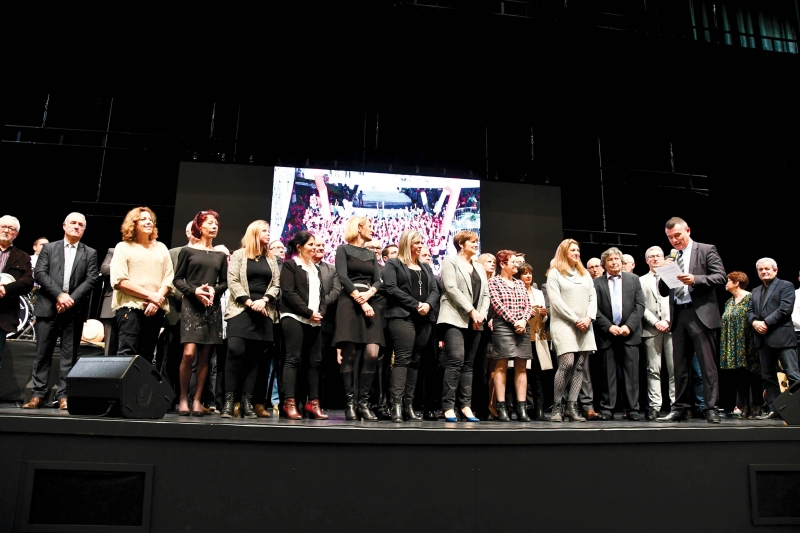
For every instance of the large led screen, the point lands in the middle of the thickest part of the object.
(321, 201)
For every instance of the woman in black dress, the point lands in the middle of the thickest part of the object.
(202, 278)
(358, 324)
(412, 298)
(302, 308)
(253, 281)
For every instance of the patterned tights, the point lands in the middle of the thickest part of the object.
(570, 369)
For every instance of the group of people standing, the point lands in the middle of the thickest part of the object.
(381, 313)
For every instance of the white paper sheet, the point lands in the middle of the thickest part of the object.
(669, 274)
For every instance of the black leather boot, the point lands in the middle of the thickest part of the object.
(227, 406)
(572, 412)
(247, 406)
(349, 397)
(522, 412)
(502, 414)
(397, 410)
(540, 413)
(362, 409)
(408, 410)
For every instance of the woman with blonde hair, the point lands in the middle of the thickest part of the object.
(358, 324)
(412, 299)
(254, 284)
(573, 308)
(141, 274)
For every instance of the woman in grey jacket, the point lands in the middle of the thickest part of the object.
(462, 313)
(573, 308)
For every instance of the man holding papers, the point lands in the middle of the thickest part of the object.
(694, 314)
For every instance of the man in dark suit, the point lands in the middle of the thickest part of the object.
(16, 278)
(67, 273)
(770, 313)
(695, 317)
(618, 332)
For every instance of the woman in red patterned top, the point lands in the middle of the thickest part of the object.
(510, 334)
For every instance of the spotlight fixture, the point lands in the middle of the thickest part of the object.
(251, 158)
(194, 156)
(223, 157)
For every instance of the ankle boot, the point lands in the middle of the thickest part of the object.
(408, 410)
(261, 411)
(572, 412)
(397, 410)
(365, 386)
(502, 414)
(313, 408)
(522, 412)
(247, 406)
(349, 397)
(290, 409)
(227, 406)
(540, 413)
(556, 416)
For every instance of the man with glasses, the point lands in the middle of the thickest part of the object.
(16, 278)
(656, 337)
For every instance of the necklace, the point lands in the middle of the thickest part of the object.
(419, 279)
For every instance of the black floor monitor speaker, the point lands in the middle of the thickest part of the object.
(126, 386)
(787, 405)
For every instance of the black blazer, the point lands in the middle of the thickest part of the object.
(708, 273)
(18, 265)
(49, 274)
(294, 291)
(331, 288)
(632, 310)
(774, 306)
(398, 284)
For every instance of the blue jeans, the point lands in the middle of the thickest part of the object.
(769, 369)
(2, 345)
(273, 372)
(697, 378)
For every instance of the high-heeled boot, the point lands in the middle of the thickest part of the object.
(522, 412)
(227, 406)
(408, 410)
(397, 410)
(572, 412)
(247, 406)
(349, 397)
(502, 414)
(540, 412)
(556, 415)
(362, 409)
(290, 409)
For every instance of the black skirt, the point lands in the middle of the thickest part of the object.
(353, 326)
(250, 325)
(201, 324)
(508, 344)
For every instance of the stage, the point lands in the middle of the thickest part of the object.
(213, 474)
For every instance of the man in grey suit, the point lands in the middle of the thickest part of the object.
(770, 313)
(618, 333)
(656, 337)
(66, 272)
(331, 288)
(694, 314)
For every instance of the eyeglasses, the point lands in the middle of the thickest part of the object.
(8, 228)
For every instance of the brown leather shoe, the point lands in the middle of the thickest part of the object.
(237, 411)
(312, 407)
(290, 409)
(261, 411)
(62, 404)
(591, 414)
(206, 410)
(35, 403)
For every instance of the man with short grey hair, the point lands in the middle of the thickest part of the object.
(595, 267)
(16, 278)
(656, 337)
(770, 313)
(628, 264)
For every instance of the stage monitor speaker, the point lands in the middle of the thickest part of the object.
(126, 386)
(787, 405)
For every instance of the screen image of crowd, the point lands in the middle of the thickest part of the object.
(392, 211)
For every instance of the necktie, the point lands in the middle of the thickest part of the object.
(69, 257)
(616, 300)
(680, 292)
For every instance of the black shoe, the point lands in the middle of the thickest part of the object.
(365, 385)
(227, 406)
(397, 411)
(673, 416)
(605, 416)
(408, 410)
(652, 414)
(430, 416)
(502, 415)
(771, 415)
(364, 412)
(540, 414)
(634, 416)
(522, 412)
(349, 397)
(247, 406)
(571, 413)
(712, 417)
(383, 412)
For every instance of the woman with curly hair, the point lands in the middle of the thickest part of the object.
(141, 274)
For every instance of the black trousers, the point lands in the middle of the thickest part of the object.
(480, 376)
(627, 357)
(409, 337)
(431, 375)
(68, 327)
(109, 335)
(138, 334)
(461, 345)
(690, 336)
(171, 350)
(535, 395)
(303, 349)
(242, 362)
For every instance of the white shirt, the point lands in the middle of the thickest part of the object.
(796, 312)
(69, 260)
(686, 257)
(313, 293)
(34, 258)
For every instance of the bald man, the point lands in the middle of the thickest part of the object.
(595, 267)
(628, 264)
(66, 273)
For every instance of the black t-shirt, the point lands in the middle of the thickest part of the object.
(476, 286)
(420, 279)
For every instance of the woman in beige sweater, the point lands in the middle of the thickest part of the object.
(573, 308)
